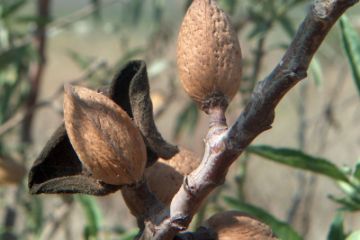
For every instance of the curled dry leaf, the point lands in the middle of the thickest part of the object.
(103, 136)
(208, 55)
(233, 225)
(11, 172)
(165, 177)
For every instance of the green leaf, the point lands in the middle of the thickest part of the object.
(36, 215)
(281, 229)
(354, 236)
(81, 60)
(347, 203)
(316, 71)
(187, 119)
(130, 235)
(357, 171)
(14, 55)
(287, 25)
(298, 159)
(351, 43)
(93, 216)
(337, 228)
(12, 7)
(229, 6)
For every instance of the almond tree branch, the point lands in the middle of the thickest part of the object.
(223, 145)
(37, 68)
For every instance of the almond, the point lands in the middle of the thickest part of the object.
(233, 225)
(103, 136)
(165, 177)
(208, 55)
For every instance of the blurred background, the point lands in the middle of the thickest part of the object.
(46, 43)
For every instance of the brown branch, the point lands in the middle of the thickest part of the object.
(223, 146)
(37, 68)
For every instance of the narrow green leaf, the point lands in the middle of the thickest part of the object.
(14, 55)
(81, 60)
(298, 159)
(229, 6)
(36, 215)
(281, 229)
(12, 7)
(337, 228)
(316, 71)
(187, 119)
(93, 215)
(351, 43)
(354, 236)
(130, 235)
(347, 203)
(287, 25)
(357, 171)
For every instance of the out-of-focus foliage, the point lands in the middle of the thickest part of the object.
(347, 180)
(351, 43)
(15, 57)
(256, 21)
(93, 216)
(337, 228)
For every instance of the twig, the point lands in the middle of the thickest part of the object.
(68, 20)
(21, 115)
(222, 145)
(55, 220)
(37, 68)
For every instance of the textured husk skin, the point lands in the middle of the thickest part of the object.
(165, 177)
(234, 225)
(104, 137)
(208, 53)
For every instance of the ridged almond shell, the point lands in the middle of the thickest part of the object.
(103, 136)
(208, 53)
(165, 177)
(234, 225)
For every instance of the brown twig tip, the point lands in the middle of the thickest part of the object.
(69, 89)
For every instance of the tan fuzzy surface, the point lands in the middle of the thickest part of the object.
(208, 52)
(103, 136)
(233, 225)
(11, 172)
(166, 176)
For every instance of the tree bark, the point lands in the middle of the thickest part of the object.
(223, 145)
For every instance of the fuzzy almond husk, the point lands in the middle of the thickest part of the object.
(165, 177)
(11, 172)
(208, 55)
(234, 225)
(103, 136)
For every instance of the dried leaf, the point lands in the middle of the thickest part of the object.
(130, 90)
(103, 136)
(59, 170)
